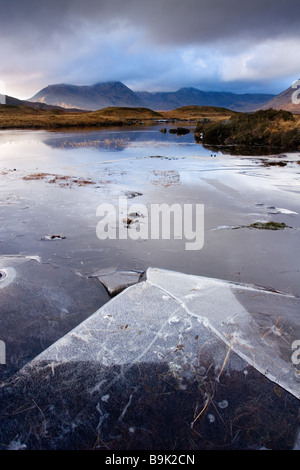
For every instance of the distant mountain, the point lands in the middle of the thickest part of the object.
(107, 94)
(285, 101)
(194, 97)
(94, 97)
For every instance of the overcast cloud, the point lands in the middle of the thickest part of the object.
(232, 45)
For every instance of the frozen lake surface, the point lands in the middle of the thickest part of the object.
(51, 184)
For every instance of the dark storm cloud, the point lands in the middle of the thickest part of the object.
(173, 21)
(148, 44)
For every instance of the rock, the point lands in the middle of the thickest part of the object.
(53, 237)
(182, 131)
(117, 281)
(135, 214)
(127, 221)
(179, 130)
(132, 194)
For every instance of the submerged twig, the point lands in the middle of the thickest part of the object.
(202, 411)
(225, 360)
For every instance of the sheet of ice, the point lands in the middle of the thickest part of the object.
(150, 320)
(151, 368)
(286, 211)
(119, 280)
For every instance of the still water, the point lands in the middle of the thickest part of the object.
(51, 184)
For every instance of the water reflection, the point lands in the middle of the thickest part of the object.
(244, 150)
(119, 138)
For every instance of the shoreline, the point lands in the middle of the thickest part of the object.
(261, 132)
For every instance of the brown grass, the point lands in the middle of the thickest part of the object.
(195, 113)
(35, 176)
(23, 117)
(62, 180)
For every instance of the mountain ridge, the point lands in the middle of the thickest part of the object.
(102, 95)
(286, 100)
(87, 97)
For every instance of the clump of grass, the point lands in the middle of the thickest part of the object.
(269, 225)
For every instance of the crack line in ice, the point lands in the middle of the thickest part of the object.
(139, 357)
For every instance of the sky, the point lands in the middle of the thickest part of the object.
(242, 46)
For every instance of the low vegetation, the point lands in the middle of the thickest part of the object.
(270, 128)
(23, 117)
(269, 225)
(199, 113)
